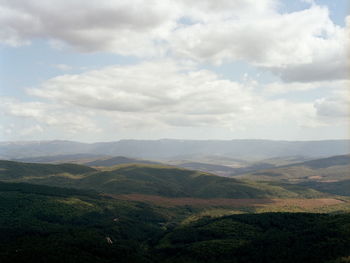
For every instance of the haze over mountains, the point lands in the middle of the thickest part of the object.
(170, 149)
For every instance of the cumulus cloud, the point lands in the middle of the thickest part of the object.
(299, 46)
(336, 106)
(49, 115)
(175, 40)
(333, 107)
(170, 94)
(124, 27)
(161, 95)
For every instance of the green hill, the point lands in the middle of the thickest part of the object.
(174, 182)
(336, 188)
(10, 170)
(148, 179)
(328, 162)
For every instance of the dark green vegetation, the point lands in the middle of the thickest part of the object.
(16, 170)
(148, 179)
(270, 237)
(44, 224)
(47, 224)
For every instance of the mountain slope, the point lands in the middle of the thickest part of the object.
(148, 179)
(46, 224)
(327, 162)
(320, 170)
(10, 170)
(112, 161)
(49, 224)
(65, 158)
(270, 237)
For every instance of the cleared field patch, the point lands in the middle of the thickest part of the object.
(229, 202)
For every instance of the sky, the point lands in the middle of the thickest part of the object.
(105, 70)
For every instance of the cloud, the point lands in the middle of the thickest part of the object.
(48, 115)
(163, 96)
(280, 87)
(63, 67)
(166, 93)
(301, 46)
(336, 106)
(123, 27)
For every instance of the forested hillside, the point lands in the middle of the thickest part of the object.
(46, 224)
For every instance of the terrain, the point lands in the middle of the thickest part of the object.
(148, 179)
(107, 209)
(331, 175)
(49, 224)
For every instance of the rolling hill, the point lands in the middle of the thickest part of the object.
(10, 170)
(112, 161)
(148, 179)
(329, 169)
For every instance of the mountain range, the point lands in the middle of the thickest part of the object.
(169, 149)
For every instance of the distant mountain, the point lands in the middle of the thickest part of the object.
(330, 174)
(62, 158)
(147, 179)
(106, 162)
(207, 167)
(328, 162)
(174, 149)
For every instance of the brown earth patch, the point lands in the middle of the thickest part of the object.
(170, 202)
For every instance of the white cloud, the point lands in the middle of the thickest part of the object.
(300, 46)
(49, 115)
(151, 97)
(274, 88)
(305, 49)
(164, 93)
(336, 106)
(124, 27)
